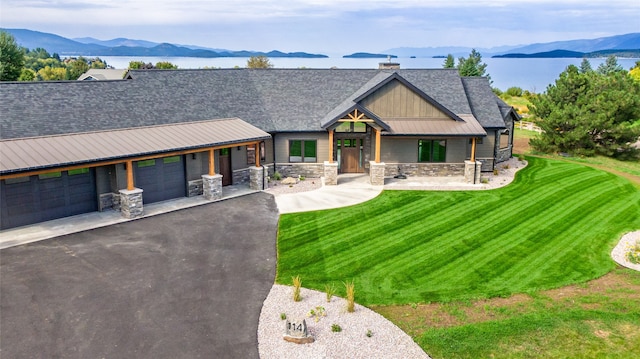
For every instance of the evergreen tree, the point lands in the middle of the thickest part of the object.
(472, 66)
(609, 66)
(585, 66)
(11, 58)
(588, 113)
(449, 62)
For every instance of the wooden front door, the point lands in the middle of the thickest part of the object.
(350, 155)
(225, 166)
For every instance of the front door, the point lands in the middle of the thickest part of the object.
(225, 166)
(350, 155)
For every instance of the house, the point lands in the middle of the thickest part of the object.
(72, 147)
(102, 74)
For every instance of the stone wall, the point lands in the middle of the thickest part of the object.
(424, 169)
(131, 203)
(241, 176)
(487, 164)
(504, 154)
(309, 170)
(194, 188)
(109, 201)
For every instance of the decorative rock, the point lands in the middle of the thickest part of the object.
(296, 332)
(289, 180)
(306, 340)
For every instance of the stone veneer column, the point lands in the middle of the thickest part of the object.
(376, 173)
(131, 203)
(212, 187)
(256, 178)
(472, 171)
(330, 173)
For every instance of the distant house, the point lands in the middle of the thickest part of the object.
(102, 74)
(80, 146)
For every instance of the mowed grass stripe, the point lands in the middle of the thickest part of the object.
(408, 246)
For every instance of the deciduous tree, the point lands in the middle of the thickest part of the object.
(259, 62)
(11, 58)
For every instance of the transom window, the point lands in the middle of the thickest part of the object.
(303, 151)
(432, 150)
(352, 127)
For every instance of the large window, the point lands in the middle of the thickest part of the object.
(504, 139)
(432, 150)
(302, 151)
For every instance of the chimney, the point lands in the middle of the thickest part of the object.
(388, 65)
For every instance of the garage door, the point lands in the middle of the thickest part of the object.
(161, 179)
(33, 199)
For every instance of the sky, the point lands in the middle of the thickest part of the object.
(327, 26)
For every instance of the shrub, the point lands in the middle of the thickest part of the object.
(484, 180)
(351, 293)
(336, 328)
(296, 288)
(633, 253)
(369, 333)
(302, 178)
(317, 313)
(283, 316)
(277, 176)
(495, 171)
(330, 289)
(514, 91)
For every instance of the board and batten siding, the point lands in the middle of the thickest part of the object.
(395, 100)
(405, 149)
(282, 145)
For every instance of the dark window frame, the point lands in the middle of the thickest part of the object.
(302, 154)
(434, 156)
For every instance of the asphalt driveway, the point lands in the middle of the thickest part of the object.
(186, 284)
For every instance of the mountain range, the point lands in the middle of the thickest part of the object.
(617, 42)
(88, 46)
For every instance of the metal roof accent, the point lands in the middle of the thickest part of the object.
(469, 126)
(71, 149)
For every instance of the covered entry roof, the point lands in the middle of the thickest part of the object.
(34, 153)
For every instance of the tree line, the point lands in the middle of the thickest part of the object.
(21, 64)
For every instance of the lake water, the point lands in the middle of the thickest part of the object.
(529, 74)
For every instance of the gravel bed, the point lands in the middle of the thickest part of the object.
(386, 340)
(309, 184)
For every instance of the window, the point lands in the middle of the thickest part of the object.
(251, 154)
(78, 171)
(50, 175)
(432, 150)
(147, 163)
(352, 127)
(172, 159)
(302, 151)
(504, 139)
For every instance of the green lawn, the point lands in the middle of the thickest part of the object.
(553, 226)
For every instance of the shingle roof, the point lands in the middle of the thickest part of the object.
(40, 152)
(484, 103)
(274, 100)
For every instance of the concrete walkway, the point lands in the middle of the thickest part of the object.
(351, 189)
